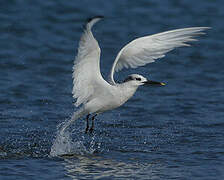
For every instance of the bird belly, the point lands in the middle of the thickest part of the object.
(109, 106)
(99, 105)
(109, 100)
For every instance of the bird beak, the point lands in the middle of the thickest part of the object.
(149, 82)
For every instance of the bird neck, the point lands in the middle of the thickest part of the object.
(127, 90)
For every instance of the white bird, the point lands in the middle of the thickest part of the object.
(97, 95)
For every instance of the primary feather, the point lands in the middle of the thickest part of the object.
(86, 69)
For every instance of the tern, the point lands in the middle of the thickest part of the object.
(93, 93)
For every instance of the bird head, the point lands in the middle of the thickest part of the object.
(138, 80)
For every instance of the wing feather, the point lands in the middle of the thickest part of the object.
(86, 69)
(144, 50)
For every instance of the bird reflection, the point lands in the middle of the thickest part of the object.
(89, 167)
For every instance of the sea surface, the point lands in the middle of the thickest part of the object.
(170, 132)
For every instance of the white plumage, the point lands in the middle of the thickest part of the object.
(144, 50)
(97, 95)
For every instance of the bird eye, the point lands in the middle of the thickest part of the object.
(138, 79)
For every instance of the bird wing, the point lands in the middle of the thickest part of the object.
(144, 50)
(86, 70)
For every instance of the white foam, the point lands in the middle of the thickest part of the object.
(75, 142)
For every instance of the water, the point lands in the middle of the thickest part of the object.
(170, 132)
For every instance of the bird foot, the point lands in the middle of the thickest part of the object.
(86, 131)
(91, 130)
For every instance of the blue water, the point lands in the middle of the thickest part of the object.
(170, 132)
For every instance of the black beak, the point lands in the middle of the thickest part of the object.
(149, 82)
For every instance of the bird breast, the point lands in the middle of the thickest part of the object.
(109, 99)
(124, 93)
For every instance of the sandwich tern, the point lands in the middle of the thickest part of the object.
(96, 95)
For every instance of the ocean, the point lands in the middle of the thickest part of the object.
(170, 132)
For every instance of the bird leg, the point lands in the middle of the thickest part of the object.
(87, 123)
(92, 127)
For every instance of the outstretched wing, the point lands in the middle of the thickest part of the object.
(144, 50)
(86, 69)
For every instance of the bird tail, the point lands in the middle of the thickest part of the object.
(76, 115)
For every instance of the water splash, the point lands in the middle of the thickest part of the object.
(74, 142)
